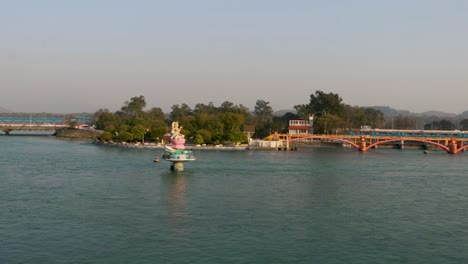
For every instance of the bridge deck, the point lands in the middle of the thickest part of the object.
(20, 126)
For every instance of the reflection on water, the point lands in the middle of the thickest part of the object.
(177, 208)
(68, 202)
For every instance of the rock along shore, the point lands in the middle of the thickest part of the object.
(161, 146)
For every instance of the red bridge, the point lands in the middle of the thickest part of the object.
(364, 142)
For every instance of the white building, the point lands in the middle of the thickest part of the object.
(301, 126)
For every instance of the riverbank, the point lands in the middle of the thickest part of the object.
(161, 146)
(75, 133)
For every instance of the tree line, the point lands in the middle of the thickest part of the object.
(210, 124)
(204, 124)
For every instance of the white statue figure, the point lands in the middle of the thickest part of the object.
(175, 129)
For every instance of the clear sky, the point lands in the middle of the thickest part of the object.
(78, 56)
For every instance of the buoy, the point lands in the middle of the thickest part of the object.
(426, 152)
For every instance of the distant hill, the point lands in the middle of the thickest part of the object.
(464, 114)
(283, 112)
(438, 114)
(391, 112)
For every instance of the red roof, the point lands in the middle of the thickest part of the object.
(298, 127)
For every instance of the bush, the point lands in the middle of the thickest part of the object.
(106, 136)
(198, 139)
(126, 136)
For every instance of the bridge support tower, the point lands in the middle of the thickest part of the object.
(453, 146)
(363, 145)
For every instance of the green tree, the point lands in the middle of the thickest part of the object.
(224, 122)
(354, 117)
(375, 118)
(321, 104)
(245, 112)
(106, 136)
(157, 128)
(227, 106)
(124, 128)
(402, 122)
(138, 132)
(202, 108)
(135, 106)
(110, 128)
(104, 118)
(431, 126)
(237, 137)
(303, 111)
(263, 118)
(446, 125)
(136, 121)
(198, 139)
(206, 135)
(464, 124)
(156, 113)
(180, 113)
(328, 124)
(263, 111)
(233, 124)
(280, 123)
(215, 125)
(125, 136)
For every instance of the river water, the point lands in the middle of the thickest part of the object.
(74, 202)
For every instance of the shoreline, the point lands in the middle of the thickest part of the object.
(161, 146)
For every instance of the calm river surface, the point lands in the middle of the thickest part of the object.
(74, 202)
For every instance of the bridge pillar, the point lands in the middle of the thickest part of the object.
(363, 145)
(453, 146)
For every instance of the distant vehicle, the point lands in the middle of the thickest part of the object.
(366, 128)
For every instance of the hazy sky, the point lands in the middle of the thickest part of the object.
(73, 56)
